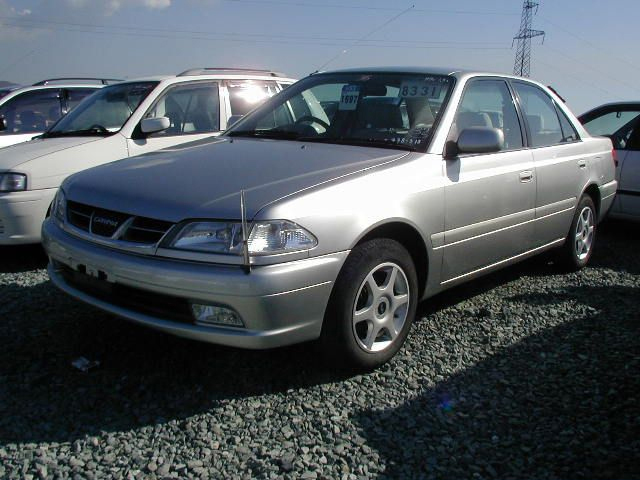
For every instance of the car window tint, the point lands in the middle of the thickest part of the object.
(32, 112)
(569, 132)
(542, 118)
(190, 108)
(244, 96)
(110, 107)
(76, 95)
(615, 124)
(488, 103)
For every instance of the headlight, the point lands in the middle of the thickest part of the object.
(59, 209)
(13, 182)
(213, 237)
(266, 238)
(279, 236)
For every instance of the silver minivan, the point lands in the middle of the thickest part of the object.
(330, 211)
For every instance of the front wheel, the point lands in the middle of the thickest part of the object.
(372, 305)
(577, 250)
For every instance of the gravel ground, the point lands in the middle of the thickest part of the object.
(526, 373)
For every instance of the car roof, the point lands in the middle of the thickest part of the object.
(605, 106)
(454, 72)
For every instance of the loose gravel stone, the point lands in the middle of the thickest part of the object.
(525, 373)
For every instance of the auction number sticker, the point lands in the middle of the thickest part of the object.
(349, 97)
(419, 88)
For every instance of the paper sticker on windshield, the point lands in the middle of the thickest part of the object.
(419, 88)
(349, 97)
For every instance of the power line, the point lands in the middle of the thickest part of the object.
(263, 38)
(367, 35)
(591, 44)
(591, 67)
(24, 23)
(366, 7)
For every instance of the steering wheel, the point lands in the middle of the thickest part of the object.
(312, 119)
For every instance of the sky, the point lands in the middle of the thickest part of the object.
(589, 53)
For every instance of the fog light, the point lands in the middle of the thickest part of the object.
(215, 315)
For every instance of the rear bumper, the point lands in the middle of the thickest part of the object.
(607, 196)
(279, 304)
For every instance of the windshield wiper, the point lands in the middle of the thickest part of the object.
(275, 133)
(358, 142)
(98, 130)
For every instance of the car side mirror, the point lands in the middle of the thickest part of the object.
(152, 125)
(480, 140)
(233, 119)
(3, 124)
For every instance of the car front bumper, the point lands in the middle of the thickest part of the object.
(21, 215)
(279, 304)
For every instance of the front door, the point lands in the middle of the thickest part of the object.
(489, 198)
(193, 110)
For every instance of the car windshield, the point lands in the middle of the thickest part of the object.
(389, 110)
(104, 112)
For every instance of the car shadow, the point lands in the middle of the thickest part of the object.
(563, 404)
(22, 258)
(144, 376)
(148, 377)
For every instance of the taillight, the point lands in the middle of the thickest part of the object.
(614, 156)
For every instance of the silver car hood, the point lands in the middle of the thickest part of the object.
(15, 155)
(204, 179)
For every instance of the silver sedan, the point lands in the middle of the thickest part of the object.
(330, 211)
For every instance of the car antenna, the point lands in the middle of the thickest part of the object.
(363, 38)
(245, 240)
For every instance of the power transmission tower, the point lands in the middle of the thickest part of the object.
(522, 65)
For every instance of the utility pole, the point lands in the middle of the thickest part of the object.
(522, 64)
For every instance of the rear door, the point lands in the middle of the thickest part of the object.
(561, 160)
(490, 197)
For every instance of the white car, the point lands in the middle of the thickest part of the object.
(120, 121)
(28, 111)
(620, 122)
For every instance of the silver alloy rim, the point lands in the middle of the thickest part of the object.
(381, 307)
(584, 233)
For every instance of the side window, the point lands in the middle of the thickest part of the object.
(245, 95)
(488, 103)
(32, 112)
(634, 138)
(76, 95)
(542, 118)
(191, 108)
(569, 133)
(617, 124)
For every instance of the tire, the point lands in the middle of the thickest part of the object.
(363, 326)
(578, 247)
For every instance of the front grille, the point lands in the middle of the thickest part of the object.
(107, 223)
(1, 227)
(148, 303)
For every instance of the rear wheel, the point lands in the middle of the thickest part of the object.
(372, 305)
(577, 250)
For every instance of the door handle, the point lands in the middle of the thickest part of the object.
(526, 176)
(582, 163)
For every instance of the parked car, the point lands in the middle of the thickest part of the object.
(331, 210)
(28, 111)
(621, 123)
(120, 121)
